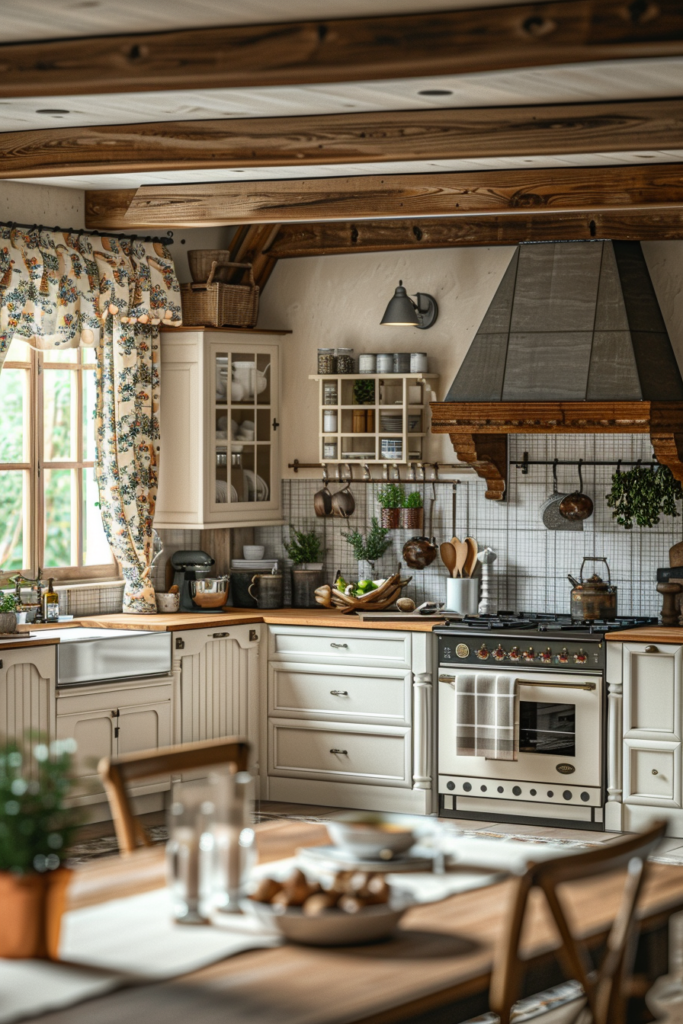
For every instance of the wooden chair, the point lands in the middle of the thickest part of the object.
(605, 989)
(119, 772)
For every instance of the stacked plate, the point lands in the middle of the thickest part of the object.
(392, 423)
(255, 564)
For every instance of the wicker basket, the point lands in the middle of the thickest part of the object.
(221, 305)
(200, 261)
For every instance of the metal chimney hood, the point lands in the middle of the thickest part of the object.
(573, 342)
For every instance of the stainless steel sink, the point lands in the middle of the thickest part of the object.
(87, 656)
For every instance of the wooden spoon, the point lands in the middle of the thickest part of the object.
(447, 552)
(472, 552)
(461, 553)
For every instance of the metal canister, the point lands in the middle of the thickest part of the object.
(267, 589)
(305, 582)
(593, 598)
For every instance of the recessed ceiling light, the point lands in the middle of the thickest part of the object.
(435, 92)
(51, 111)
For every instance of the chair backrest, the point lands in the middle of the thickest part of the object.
(118, 772)
(605, 989)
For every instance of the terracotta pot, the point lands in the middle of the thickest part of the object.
(391, 518)
(31, 918)
(412, 518)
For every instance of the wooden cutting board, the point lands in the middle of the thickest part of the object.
(676, 555)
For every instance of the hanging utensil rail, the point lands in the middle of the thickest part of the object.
(617, 463)
(394, 469)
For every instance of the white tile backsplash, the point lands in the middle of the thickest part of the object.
(532, 562)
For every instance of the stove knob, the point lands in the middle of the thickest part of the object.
(499, 654)
(528, 655)
(581, 658)
(483, 652)
(563, 657)
(514, 654)
(545, 656)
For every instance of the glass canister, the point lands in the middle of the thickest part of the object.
(367, 362)
(326, 361)
(330, 450)
(330, 421)
(401, 362)
(345, 360)
(330, 392)
(418, 362)
(231, 840)
(191, 814)
(385, 362)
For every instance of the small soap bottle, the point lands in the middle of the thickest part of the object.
(50, 604)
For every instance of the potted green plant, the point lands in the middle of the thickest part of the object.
(8, 615)
(391, 498)
(368, 550)
(364, 392)
(36, 828)
(306, 552)
(412, 513)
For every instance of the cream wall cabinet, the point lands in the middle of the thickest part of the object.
(350, 718)
(216, 680)
(645, 777)
(27, 691)
(108, 720)
(219, 461)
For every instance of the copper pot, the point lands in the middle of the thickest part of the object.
(419, 552)
(576, 506)
(593, 598)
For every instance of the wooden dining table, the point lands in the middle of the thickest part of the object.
(440, 956)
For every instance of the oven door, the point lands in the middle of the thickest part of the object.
(558, 728)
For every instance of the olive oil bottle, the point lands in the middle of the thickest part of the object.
(50, 604)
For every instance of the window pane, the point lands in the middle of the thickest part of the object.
(19, 352)
(59, 387)
(60, 518)
(61, 355)
(13, 409)
(13, 495)
(89, 415)
(97, 550)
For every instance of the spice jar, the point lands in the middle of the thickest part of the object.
(367, 362)
(326, 361)
(329, 422)
(345, 360)
(330, 393)
(330, 450)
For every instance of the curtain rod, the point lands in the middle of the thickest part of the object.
(166, 240)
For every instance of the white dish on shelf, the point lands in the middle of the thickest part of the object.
(358, 455)
(256, 485)
(221, 492)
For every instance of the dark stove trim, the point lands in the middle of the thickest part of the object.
(518, 819)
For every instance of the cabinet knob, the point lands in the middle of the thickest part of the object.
(339, 693)
(655, 772)
(340, 645)
(335, 751)
(651, 649)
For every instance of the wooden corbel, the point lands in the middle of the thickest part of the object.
(487, 454)
(668, 449)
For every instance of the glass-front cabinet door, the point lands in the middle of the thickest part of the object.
(243, 451)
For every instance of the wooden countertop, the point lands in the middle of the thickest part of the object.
(650, 635)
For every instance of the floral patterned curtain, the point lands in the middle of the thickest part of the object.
(60, 290)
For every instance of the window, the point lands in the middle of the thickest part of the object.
(49, 516)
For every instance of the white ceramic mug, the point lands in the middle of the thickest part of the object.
(462, 596)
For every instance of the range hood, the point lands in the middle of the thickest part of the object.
(573, 342)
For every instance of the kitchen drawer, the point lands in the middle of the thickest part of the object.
(652, 773)
(355, 646)
(96, 698)
(339, 693)
(378, 756)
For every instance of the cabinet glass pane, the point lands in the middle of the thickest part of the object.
(222, 480)
(60, 517)
(222, 378)
(263, 482)
(13, 501)
(59, 390)
(13, 402)
(262, 378)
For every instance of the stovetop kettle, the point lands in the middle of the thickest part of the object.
(593, 598)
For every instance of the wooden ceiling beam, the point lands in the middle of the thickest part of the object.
(449, 134)
(334, 238)
(343, 50)
(510, 193)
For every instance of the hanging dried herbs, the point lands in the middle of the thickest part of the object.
(642, 494)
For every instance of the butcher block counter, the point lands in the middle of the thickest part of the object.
(649, 635)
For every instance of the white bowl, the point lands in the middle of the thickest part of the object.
(254, 551)
(333, 928)
(371, 836)
(167, 602)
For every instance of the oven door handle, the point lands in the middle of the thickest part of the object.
(557, 686)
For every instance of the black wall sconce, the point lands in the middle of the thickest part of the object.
(403, 312)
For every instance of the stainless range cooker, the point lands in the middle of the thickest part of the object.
(558, 667)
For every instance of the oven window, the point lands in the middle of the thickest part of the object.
(547, 728)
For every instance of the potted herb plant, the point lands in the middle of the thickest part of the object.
(364, 392)
(368, 550)
(391, 498)
(412, 513)
(36, 828)
(8, 615)
(305, 551)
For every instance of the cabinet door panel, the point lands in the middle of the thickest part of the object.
(652, 684)
(652, 773)
(94, 733)
(144, 728)
(27, 681)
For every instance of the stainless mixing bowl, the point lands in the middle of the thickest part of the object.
(211, 592)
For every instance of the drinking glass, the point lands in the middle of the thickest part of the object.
(190, 818)
(231, 840)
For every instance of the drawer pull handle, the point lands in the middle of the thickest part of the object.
(340, 645)
(447, 679)
(334, 750)
(339, 693)
(651, 649)
(655, 772)
(218, 636)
